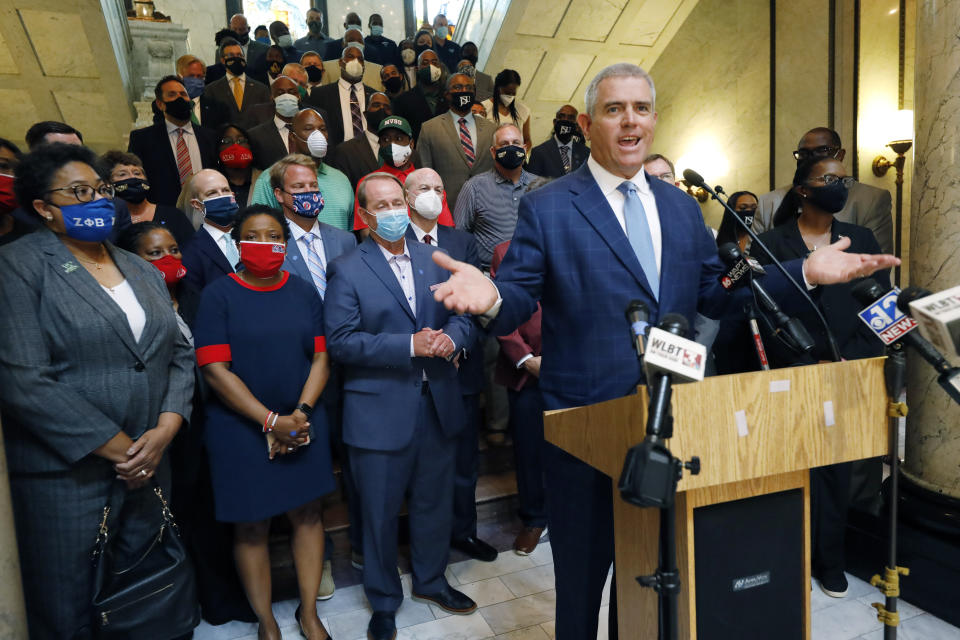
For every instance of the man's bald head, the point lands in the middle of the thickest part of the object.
(282, 85)
(420, 177)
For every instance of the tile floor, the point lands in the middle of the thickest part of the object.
(516, 602)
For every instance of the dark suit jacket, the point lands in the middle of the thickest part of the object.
(152, 145)
(263, 112)
(570, 253)
(253, 93)
(484, 86)
(266, 143)
(839, 307)
(71, 384)
(415, 108)
(369, 323)
(545, 158)
(381, 50)
(526, 339)
(214, 72)
(355, 158)
(463, 247)
(212, 113)
(204, 262)
(327, 97)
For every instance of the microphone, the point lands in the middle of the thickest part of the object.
(695, 179)
(671, 355)
(739, 267)
(886, 326)
(789, 330)
(938, 315)
(638, 315)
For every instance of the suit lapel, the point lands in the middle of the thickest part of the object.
(670, 236)
(209, 247)
(592, 205)
(373, 257)
(418, 264)
(453, 131)
(295, 263)
(163, 141)
(69, 269)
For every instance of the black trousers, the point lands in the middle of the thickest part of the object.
(526, 425)
(829, 501)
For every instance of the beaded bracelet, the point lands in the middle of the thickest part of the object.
(267, 428)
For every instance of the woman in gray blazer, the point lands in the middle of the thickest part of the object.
(95, 380)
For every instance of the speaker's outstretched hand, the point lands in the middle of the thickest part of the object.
(832, 264)
(467, 290)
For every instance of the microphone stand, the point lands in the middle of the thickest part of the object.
(697, 180)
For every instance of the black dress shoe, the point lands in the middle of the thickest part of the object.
(450, 600)
(475, 548)
(382, 626)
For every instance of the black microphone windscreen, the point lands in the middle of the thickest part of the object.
(729, 253)
(638, 307)
(867, 291)
(674, 323)
(908, 295)
(692, 177)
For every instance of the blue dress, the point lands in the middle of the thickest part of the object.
(269, 336)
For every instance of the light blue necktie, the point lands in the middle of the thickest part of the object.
(230, 250)
(638, 232)
(315, 265)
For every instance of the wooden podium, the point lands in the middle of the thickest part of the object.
(755, 433)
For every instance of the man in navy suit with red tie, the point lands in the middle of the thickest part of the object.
(585, 246)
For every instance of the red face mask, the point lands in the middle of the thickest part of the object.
(236, 157)
(262, 259)
(171, 268)
(8, 201)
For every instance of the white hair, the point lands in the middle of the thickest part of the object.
(619, 70)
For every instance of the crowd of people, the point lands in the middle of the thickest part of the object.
(249, 293)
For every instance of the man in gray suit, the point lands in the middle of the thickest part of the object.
(236, 91)
(866, 206)
(455, 144)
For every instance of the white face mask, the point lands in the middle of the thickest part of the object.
(507, 100)
(354, 68)
(434, 73)
(408, 56)
(428, 204)
(317, 144)
(287, 105)
(400, 153)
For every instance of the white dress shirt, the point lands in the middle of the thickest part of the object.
(374, 141)
(343, 88)
(221, 238)
(471, 127)
(420, 233)
(608, 185)
(299, 236)
(192, 146)
(283, 131)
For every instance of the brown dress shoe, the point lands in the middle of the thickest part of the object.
(527, 540)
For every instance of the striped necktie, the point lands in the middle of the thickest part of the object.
(466, 142)
(184, 168)
(317, 271)
(565, 158)
(638, 232)
(428, 239)
(355, 114)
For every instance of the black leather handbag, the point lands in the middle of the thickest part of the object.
(155, 596)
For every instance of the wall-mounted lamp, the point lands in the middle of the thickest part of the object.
(699, 193)
(902, 134)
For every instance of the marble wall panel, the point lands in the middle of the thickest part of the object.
(88, 112)
(48, 31)
(566, 72)
(643, 23)
(542, 18)
(7, 64)
(526, 62)
(19, 112)
(591, 20)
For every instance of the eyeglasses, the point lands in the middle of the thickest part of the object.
(666, 177)
(816, 152)
(229, 141)
(85, 193)
(829, 179)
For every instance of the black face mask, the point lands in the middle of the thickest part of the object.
(472, 59)
(423, 76)
(563, 129)
(746, 215)
(179, 108)
(314, 74)
(394, 84)
(460, 101)
(244, 39)
(315, 26)
(374, 118)
(420, 48)
(132, 189)
(236, 66)
(831, 198)
(511, 156)
(274, 69)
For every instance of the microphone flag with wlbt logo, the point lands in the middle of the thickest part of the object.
(684, 360)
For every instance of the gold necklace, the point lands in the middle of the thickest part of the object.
(98, 264)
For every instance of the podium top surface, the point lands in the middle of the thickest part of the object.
(743, 426)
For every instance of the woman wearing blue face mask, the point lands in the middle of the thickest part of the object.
(97, 379)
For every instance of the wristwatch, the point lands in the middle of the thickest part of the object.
(306, 409)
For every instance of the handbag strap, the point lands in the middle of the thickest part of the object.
(115, 497)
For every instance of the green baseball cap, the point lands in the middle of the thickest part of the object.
(395, 122)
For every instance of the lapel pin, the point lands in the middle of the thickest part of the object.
(69, 267)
